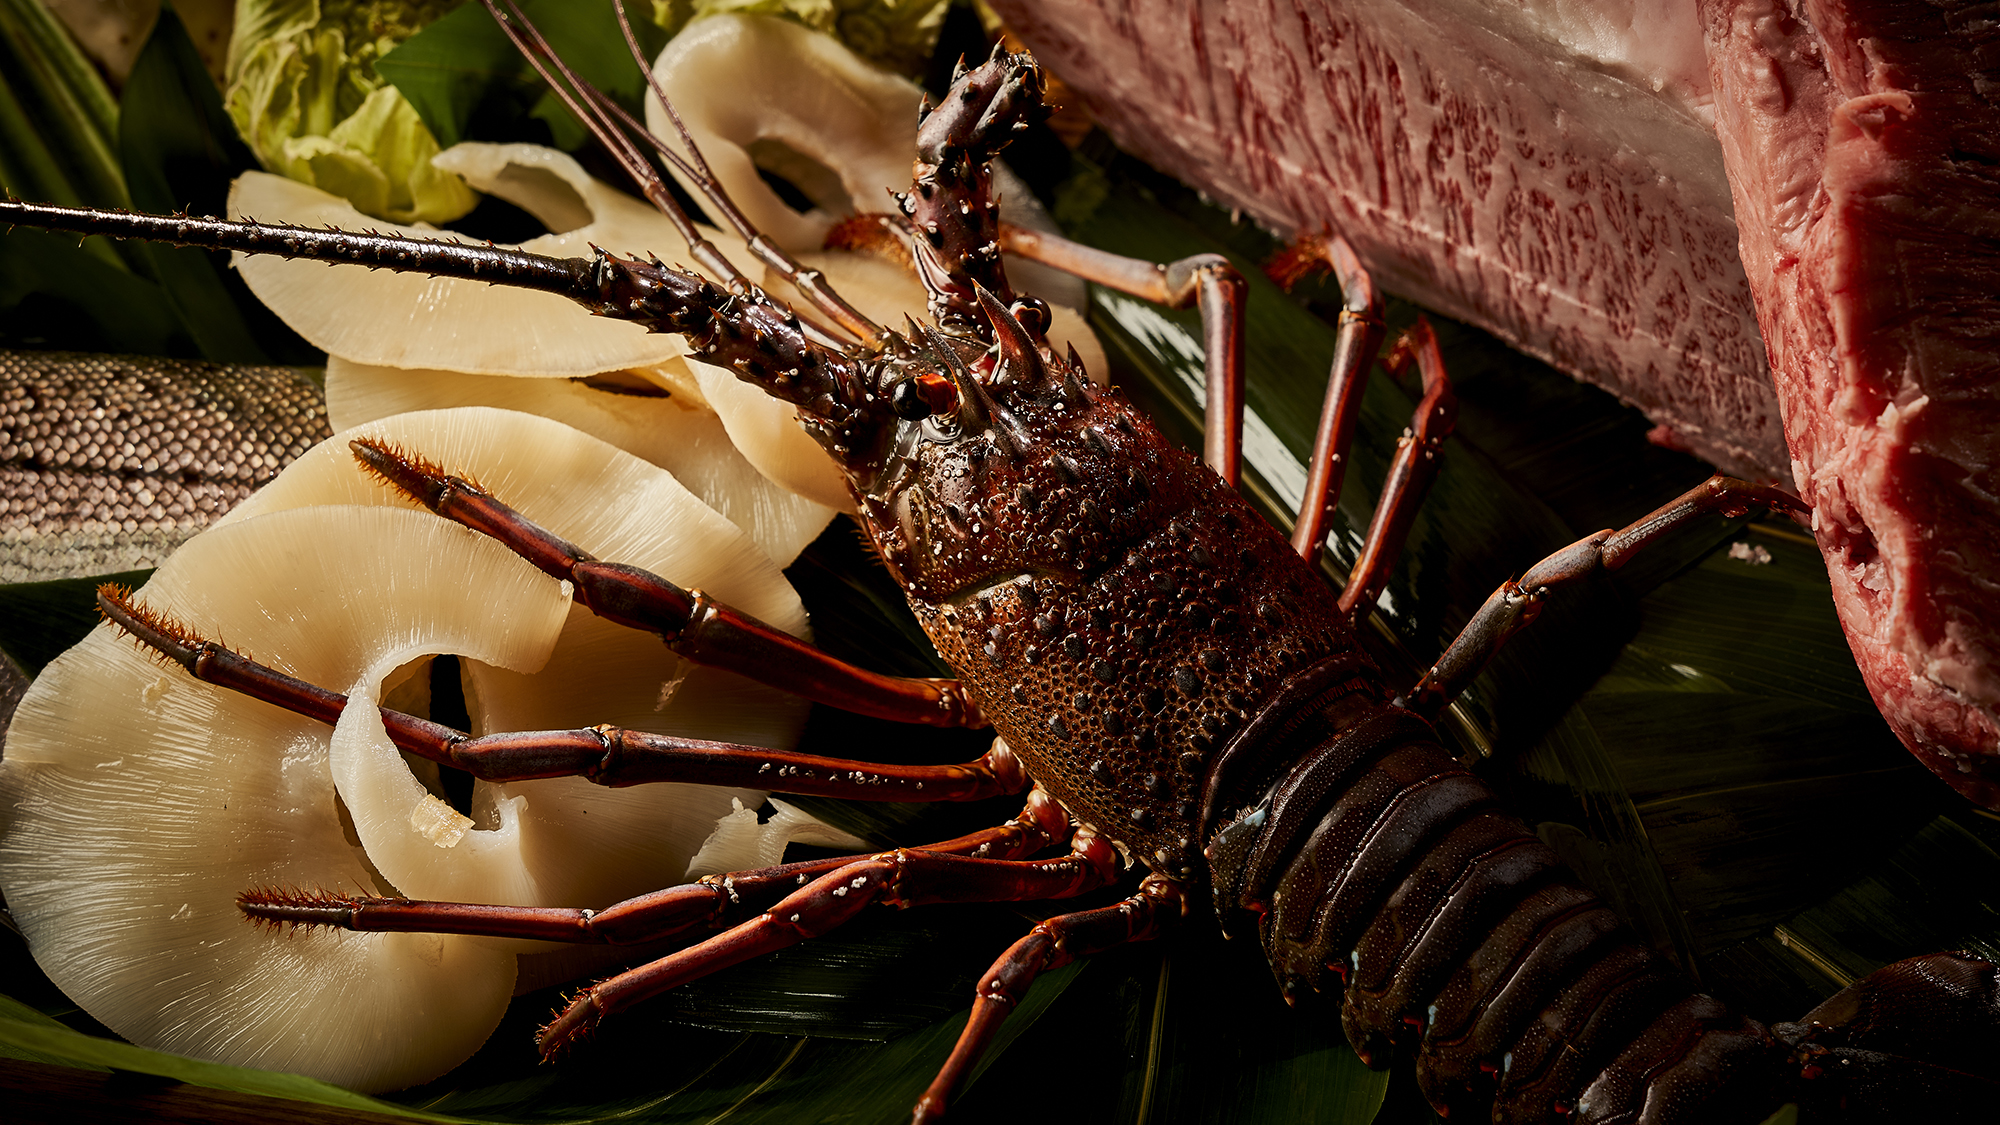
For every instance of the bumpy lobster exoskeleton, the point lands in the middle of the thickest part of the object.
(1173, 676)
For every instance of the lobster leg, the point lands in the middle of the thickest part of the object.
(1518, 602)
(1050, 945)
(1912, 1040)
(1206, 280)
(1410, 474)
(1354, 348)
(898, 878)
(714, 901)
(606, 755)
(689, 621)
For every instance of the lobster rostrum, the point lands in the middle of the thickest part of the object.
(1181, 687)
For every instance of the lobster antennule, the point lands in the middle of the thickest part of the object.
(761, 339)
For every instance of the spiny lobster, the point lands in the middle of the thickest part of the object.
(1171, 673)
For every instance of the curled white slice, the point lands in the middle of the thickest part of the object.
(580, 210)
(140, 802)
(769, 435)
(822, 118)
(843, 132)
(676, 430)
(414, 320)
(585, 844)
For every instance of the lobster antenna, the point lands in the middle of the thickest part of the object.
(613, 128)
(586, 103)
(694, 166)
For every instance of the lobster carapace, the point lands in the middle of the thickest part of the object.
(1170, 672)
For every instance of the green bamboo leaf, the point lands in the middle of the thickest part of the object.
(13, 1011)
(1232, 1051)
(41, 620)
(40, 1039)
(66, 73)
(1735, 773)
(858, 613)
(462, 69)
(74, 120)
(1901, 906)
(879, 977)
(180, 152)
(28, 168)
(645, 1067)
(58, 123)
(57, 294)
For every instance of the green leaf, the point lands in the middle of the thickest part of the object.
(645, 1067)
(180, 153)
(463, 68)
(12, 1011)
(41, 620)
(878, 977)
(57, 119)
(28, 1036)
(58, 123)
(57, 294)
(858, 614)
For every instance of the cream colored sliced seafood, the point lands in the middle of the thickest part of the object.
(679, 432)
(413, 320)
(828, 121)
(843, 132)
(139, 802)
(621, 509)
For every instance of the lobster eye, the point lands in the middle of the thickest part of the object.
(907, 402)
(921, 396)
(1033, 313)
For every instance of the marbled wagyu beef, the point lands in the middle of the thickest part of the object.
(1863, 145)
(1529, 171)
(1552, 172)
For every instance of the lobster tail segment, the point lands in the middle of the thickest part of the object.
(1375, 866)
